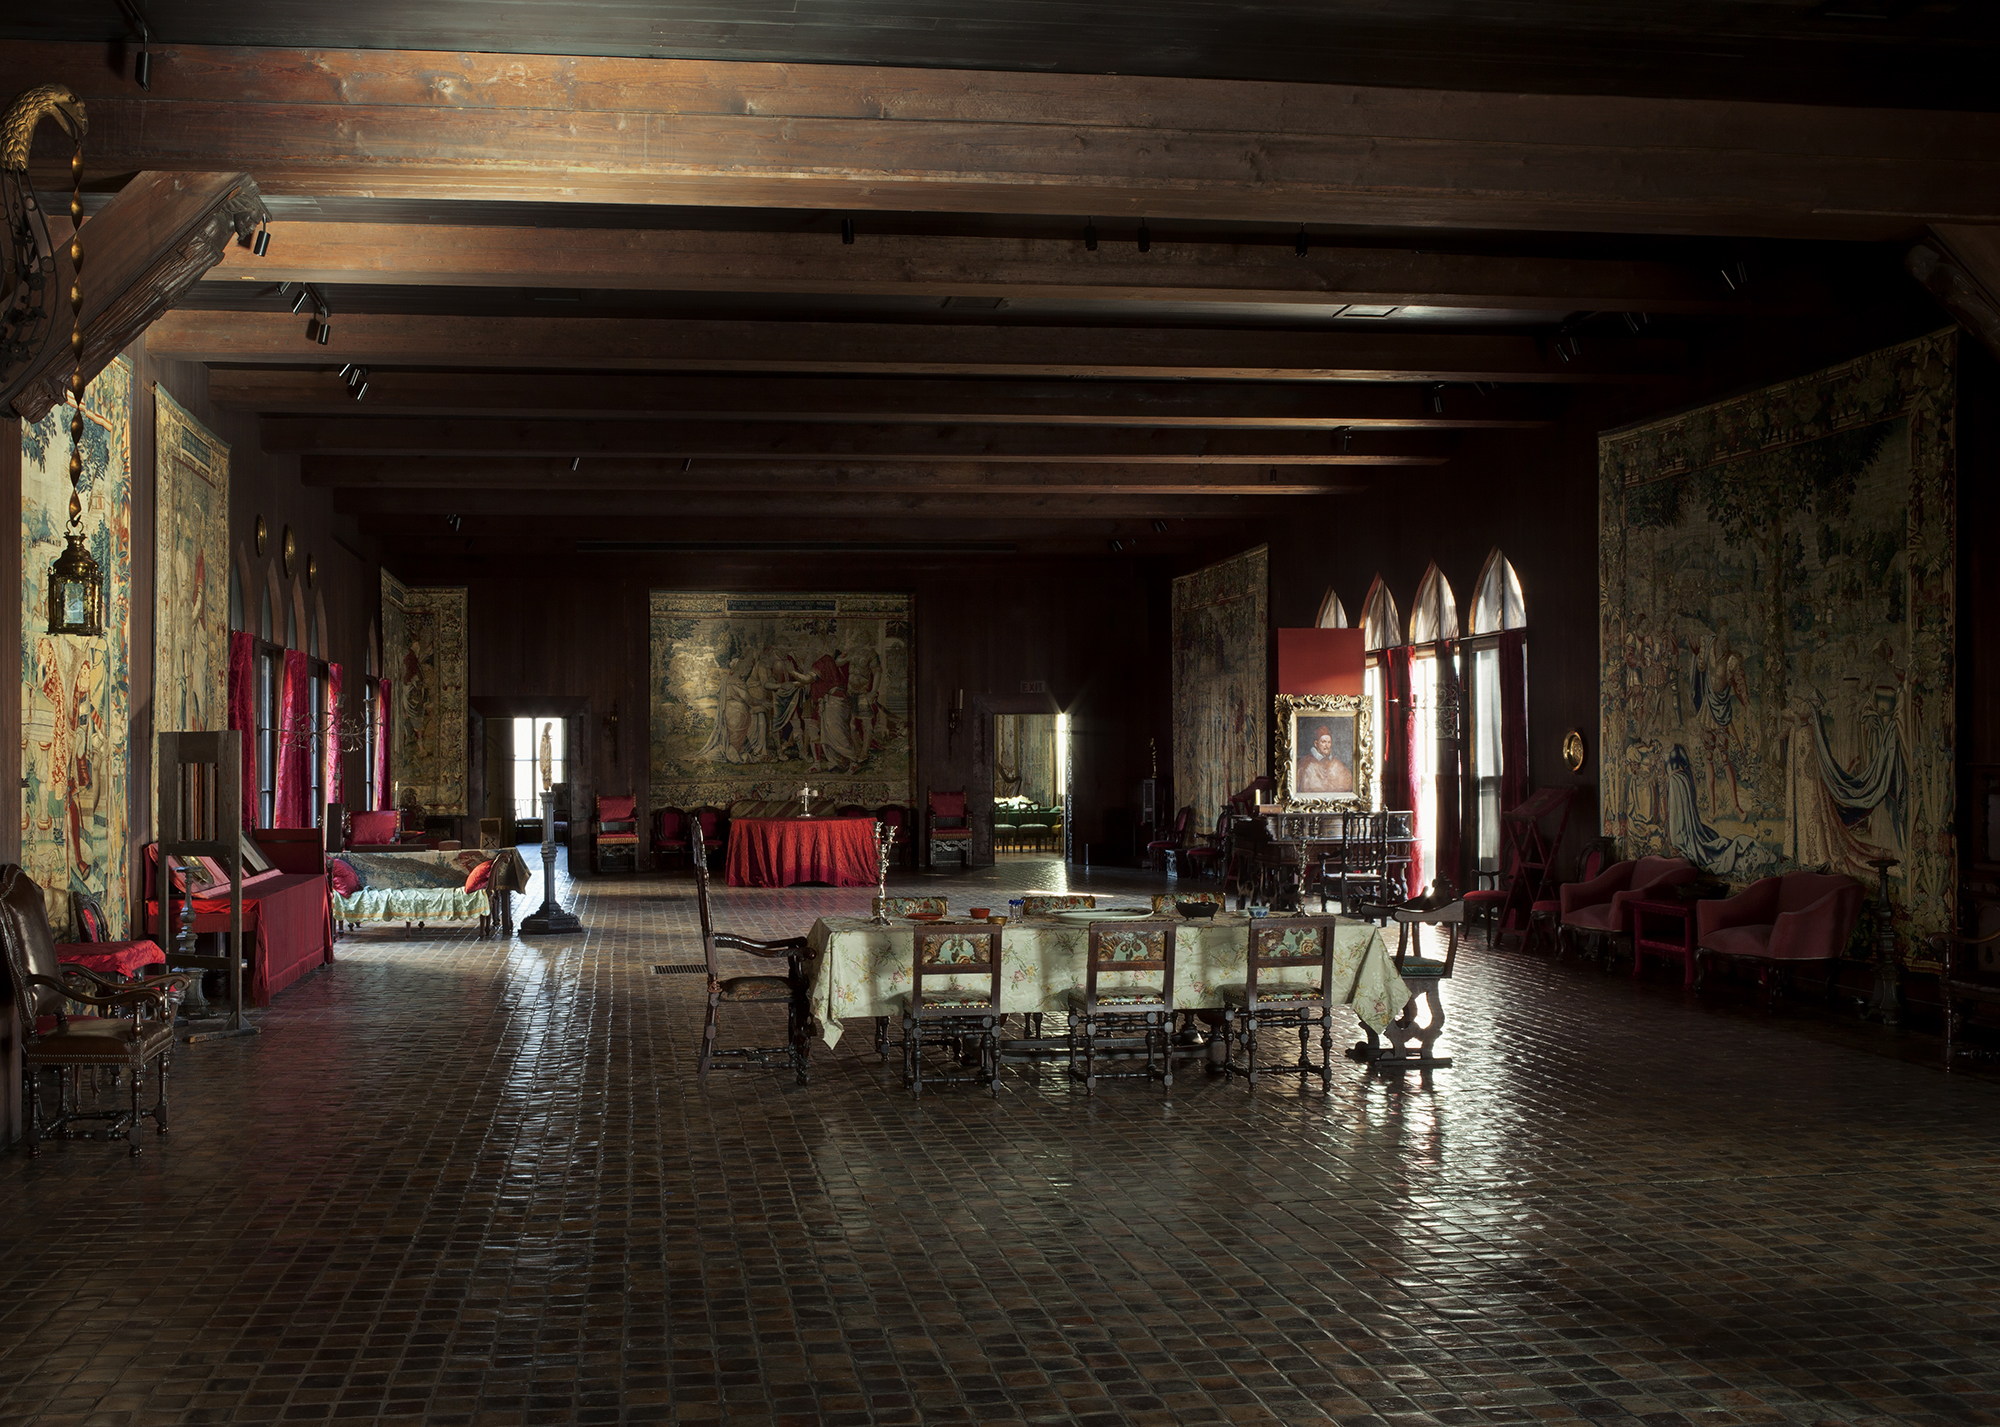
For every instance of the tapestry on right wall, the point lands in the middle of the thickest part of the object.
(1776, 595)
(1222, 694)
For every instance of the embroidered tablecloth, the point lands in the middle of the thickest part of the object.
(859, 968)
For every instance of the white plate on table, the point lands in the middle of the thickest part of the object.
(1106, 914)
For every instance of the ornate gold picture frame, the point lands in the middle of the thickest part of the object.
(1325, 752)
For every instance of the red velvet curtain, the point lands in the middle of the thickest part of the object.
(1450, 819)
(380, 772)
(330, 772)
(294, 786)
(243, 713)
(1399, 769)
(1513, 718)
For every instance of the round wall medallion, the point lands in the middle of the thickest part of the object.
(1573, 753)
(288, 549)
(312, 570)
(263, 536)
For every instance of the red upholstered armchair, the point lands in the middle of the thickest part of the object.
(1595, 909)
(949, 825)
(670, 833)
(614, 835)
(1160, 851)
(1777, 922)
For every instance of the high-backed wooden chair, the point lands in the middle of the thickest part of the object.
(1161, 851)
(967, 1018)
(1121, 1007)
(1287, 985)
(948, 824)
(614, 835)
(788, 990)
(670, 834)
(134, 1031)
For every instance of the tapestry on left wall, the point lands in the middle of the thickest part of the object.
(423, 643)
(1221, 629)
(76, 693)
(190, 573)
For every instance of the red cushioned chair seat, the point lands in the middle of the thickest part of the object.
(1751, 940)
(1597, 918)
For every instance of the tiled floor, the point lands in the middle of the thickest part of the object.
(466, 1182)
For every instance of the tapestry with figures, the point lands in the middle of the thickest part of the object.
(190, 572)
(76, 693)
(1776, 578)
(757, 695)
(424, 646)
(1221, 627)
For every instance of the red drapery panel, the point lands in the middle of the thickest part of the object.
(1450, 821)
(243, 713)
(330, 773)
(294, 786)
(1399, 768)
(1513, 717)
(380, 772)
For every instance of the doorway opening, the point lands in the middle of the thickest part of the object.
(1030, 786)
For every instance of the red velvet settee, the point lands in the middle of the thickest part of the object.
(1777, 922)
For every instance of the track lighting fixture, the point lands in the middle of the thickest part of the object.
(1117, 546)
(1145, 237)
(1437, 398)
(575, 464)
(319, 329)
(143, 69)
(1346, 434)
(261, 244)
(1301, 245)
(357, 380)
(1159, 527)
(305, 296)
(687, 465)
(455, 521)
(1736, 275)
(1483, 388)
(847, 230)
(1090, 236)
(344, 373)
(1635, 322)
(135, 18)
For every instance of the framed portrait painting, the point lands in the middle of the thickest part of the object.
(1325, 751)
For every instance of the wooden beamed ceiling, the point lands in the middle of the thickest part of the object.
(590, 299)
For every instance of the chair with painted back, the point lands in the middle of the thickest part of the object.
(1287, 985)
(788, 990)
(964, 1018)
(1111, 1003)
(948, 824)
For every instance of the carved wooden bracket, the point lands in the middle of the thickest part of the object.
(152, 242)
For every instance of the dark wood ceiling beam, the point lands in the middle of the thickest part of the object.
(436, 125)
(806, 509)
(461, 476)
(1276, 405)
(844, 441)
(917, 349)
(899, 265)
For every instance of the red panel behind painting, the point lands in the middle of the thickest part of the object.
(1320, 661)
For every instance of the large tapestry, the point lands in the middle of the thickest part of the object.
(191, 573)
(1776, 579)
(76, 693)
(1221, 627)
(423, 645)
(754, 695)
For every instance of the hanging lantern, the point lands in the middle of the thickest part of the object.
(76, 592)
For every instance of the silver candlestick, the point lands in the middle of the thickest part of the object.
(806, 799)
(885, 838)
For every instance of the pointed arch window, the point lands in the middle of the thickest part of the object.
(1434, 616)
(1497, 603)
(1381, 621)
(1332, 613)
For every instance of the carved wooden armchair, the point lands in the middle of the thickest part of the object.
(134, 1030)
(788, 990)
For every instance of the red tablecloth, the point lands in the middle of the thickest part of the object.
(776, 852)
(288, 920)
(111, 958)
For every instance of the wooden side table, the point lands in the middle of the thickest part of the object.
(1664, 928)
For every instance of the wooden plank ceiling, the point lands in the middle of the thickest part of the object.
(657, 297)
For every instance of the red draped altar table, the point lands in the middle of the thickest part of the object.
(776, 852)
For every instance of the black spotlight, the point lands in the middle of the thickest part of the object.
(361, 390)
(1117, 546)
(1159, 527)
(262, 244)
(1301, 245)
(346, 373)
(1346, 439)
(305, 296)
(575, 464)
(1437, 398)
(454, 521)
(1145, 239)
(847, 230)
(143, 70)
(320, 330)
(1090, 237)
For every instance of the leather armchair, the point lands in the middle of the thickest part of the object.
(1597, 907)
(1777, 922)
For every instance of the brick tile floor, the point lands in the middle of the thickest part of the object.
(475, 1182)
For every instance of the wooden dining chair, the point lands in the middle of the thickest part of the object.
(788, 990)
(1287, 985)
(966, 1018)
(1123, 1008)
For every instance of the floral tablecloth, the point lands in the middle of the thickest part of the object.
(858, 968)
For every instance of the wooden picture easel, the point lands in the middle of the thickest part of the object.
(201, 815)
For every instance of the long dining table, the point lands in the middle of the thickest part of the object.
(859, 968)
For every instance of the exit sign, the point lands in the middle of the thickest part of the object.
(1034, 686)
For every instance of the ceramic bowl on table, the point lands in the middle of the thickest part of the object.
(1193, 910)
(980, 914)
(923, 916)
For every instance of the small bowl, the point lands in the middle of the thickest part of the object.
(996, 921)
(980, 914)
(923, 916)
(1198, 909)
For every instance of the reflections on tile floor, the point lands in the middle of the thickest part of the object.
(475, 1182)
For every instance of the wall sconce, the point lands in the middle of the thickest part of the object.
(611, 730)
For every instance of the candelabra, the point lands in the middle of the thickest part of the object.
(806, 795)
(885, 838)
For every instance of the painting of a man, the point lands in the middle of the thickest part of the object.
(1324, 767)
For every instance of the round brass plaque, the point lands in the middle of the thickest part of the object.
(1573, 752)
(288, 549)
